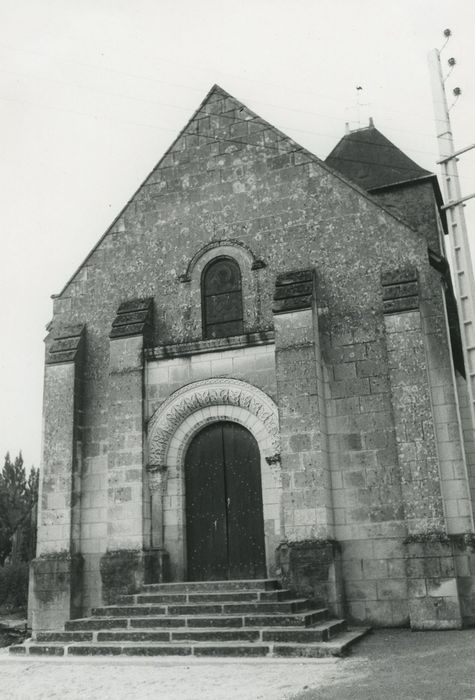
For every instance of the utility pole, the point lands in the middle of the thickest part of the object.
(458, 238)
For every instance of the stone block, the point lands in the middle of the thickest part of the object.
(434, 614)
(300, 443)
(400, 613)
(378, 613)
(416, 588)
(442, 587)
(352, 569)
(361, 590)
(347, 406)
(375, 569)
(396, 568)
(392, 590)
(349, 353)
(344, 371)
(349, 387)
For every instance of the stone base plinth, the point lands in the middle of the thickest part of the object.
(312, 568)
(158, 566)
(464, 558)
(434, 601)
(55, 590)
(124, 571)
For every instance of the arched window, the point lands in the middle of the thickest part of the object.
(221, 299)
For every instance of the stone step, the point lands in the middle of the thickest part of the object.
(285, 606)
(318, 633)
(209, 597)
(303, 619)
(97, 623)
(335, 647)
(66, 637)
(266, 584)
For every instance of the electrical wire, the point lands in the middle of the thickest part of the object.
(192, 87)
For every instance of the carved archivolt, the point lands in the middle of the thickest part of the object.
(210, 392)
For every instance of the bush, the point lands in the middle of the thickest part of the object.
(14, 586)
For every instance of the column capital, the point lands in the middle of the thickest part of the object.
(157, 475)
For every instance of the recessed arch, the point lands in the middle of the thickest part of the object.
(248, 263)
(209, 394)
(174, 425)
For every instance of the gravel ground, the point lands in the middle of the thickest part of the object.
(166, 679)
(403, 665)
(386, 665)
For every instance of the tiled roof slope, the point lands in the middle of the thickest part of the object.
(373, 161)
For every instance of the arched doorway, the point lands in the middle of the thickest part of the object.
(224, 512)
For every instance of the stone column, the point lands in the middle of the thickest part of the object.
(55, 574)
(430, 567)
(123, 566)
(157, 479)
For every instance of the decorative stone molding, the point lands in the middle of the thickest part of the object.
(157, 474)
(218, 248)
(168, 418)
(233, 342)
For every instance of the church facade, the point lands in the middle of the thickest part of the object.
(257, 373)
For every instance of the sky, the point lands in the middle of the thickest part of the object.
(92, 93)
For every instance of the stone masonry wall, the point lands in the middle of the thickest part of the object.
(231, 177)
(255, 364)
(416, 203)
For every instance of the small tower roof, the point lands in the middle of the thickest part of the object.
(373, 161)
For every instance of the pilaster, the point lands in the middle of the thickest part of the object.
(430, 566)
(128, 498)
(307, 499)
(130, 329)
(55, 575)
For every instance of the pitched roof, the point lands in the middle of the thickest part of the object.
(373, 161)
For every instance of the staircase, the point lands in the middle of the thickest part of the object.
(217, 618)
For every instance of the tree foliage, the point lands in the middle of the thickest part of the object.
(18, 498)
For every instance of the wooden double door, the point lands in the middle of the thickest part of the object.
(224, 517)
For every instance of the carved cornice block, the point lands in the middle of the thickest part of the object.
(294, 291)
(67, 345)
(133, 318)
(400, 290)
